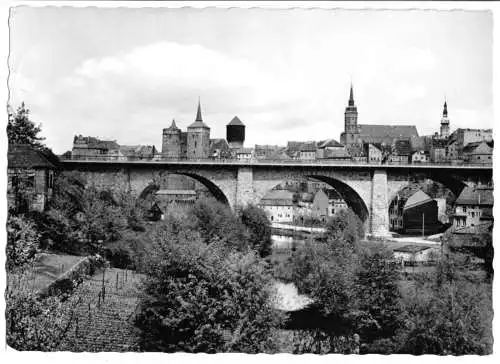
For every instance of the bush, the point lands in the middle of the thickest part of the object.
(36, 324)
(22, 242)
(203, 297)
(259, 229)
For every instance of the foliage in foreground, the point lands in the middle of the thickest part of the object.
(204, 293)
(36, 324)
(22, 242)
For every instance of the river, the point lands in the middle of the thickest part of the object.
(282, 241)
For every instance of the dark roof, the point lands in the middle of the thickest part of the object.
(402, 147)
(199, 120)
(236, 121)
(386, 133)
(336, 154)
(219, 143)
(308, 147)
(95, 143)
(172, 127)
(475, 196)
(329, 143)
(471, 147)
(25, 156)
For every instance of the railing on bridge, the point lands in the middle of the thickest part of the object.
(255, 161)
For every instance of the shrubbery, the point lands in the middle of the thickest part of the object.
(205, 291)
(22, 242)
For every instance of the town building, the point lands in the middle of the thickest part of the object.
(307, 151)
(472, 204)
(30, 177)
(401, 151)
(133, 152)
(420, 156)
(279, 205)
(220, 149)
(270, 152)
(414, 212)
(235, 133)
(92, 148)
(464, 137)
(244, 154)
(437, 152)
(331, 149)
(478, 152)
(373, 153)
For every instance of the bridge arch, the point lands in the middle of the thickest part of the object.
(155, 183)
(350, 194)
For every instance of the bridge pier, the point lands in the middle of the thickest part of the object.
(379, 214)
(245, 193)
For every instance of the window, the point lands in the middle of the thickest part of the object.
(15, 181)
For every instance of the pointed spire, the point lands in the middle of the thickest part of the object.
(445, 109)
(351, 97)
(198, 114)
(173, 126)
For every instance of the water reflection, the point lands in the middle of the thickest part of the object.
(282, 241)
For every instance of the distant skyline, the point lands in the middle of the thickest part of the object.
(124, 74)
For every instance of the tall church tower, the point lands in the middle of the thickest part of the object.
(351, 130)
(445, 123)
(198, 137)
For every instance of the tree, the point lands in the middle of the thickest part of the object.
(216, 222)
(21, 130)
(22, 242)
(204, 297)
(378, 295)
(259, 228)
(347, 227)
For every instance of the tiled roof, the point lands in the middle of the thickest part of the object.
(474, 148)
(95, 143)
(333, 154)
(308, 147)
(244, 151)
(332, 143)
(25, 156)
(402, 147)
(475, 196)
(236, 121)
(417, 198)
(386, 133)
(219, 143)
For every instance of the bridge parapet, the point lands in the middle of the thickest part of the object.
(263, 162)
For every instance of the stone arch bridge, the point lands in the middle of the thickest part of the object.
(366, 188)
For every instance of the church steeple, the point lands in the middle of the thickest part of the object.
(198, 114)
(351, 97)
(445, 122)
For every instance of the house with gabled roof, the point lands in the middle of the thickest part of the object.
(472, 204)
(30, 177)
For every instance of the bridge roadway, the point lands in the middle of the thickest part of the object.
(367, 188)
(271, 162)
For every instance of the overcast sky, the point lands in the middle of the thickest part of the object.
(123, 74)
